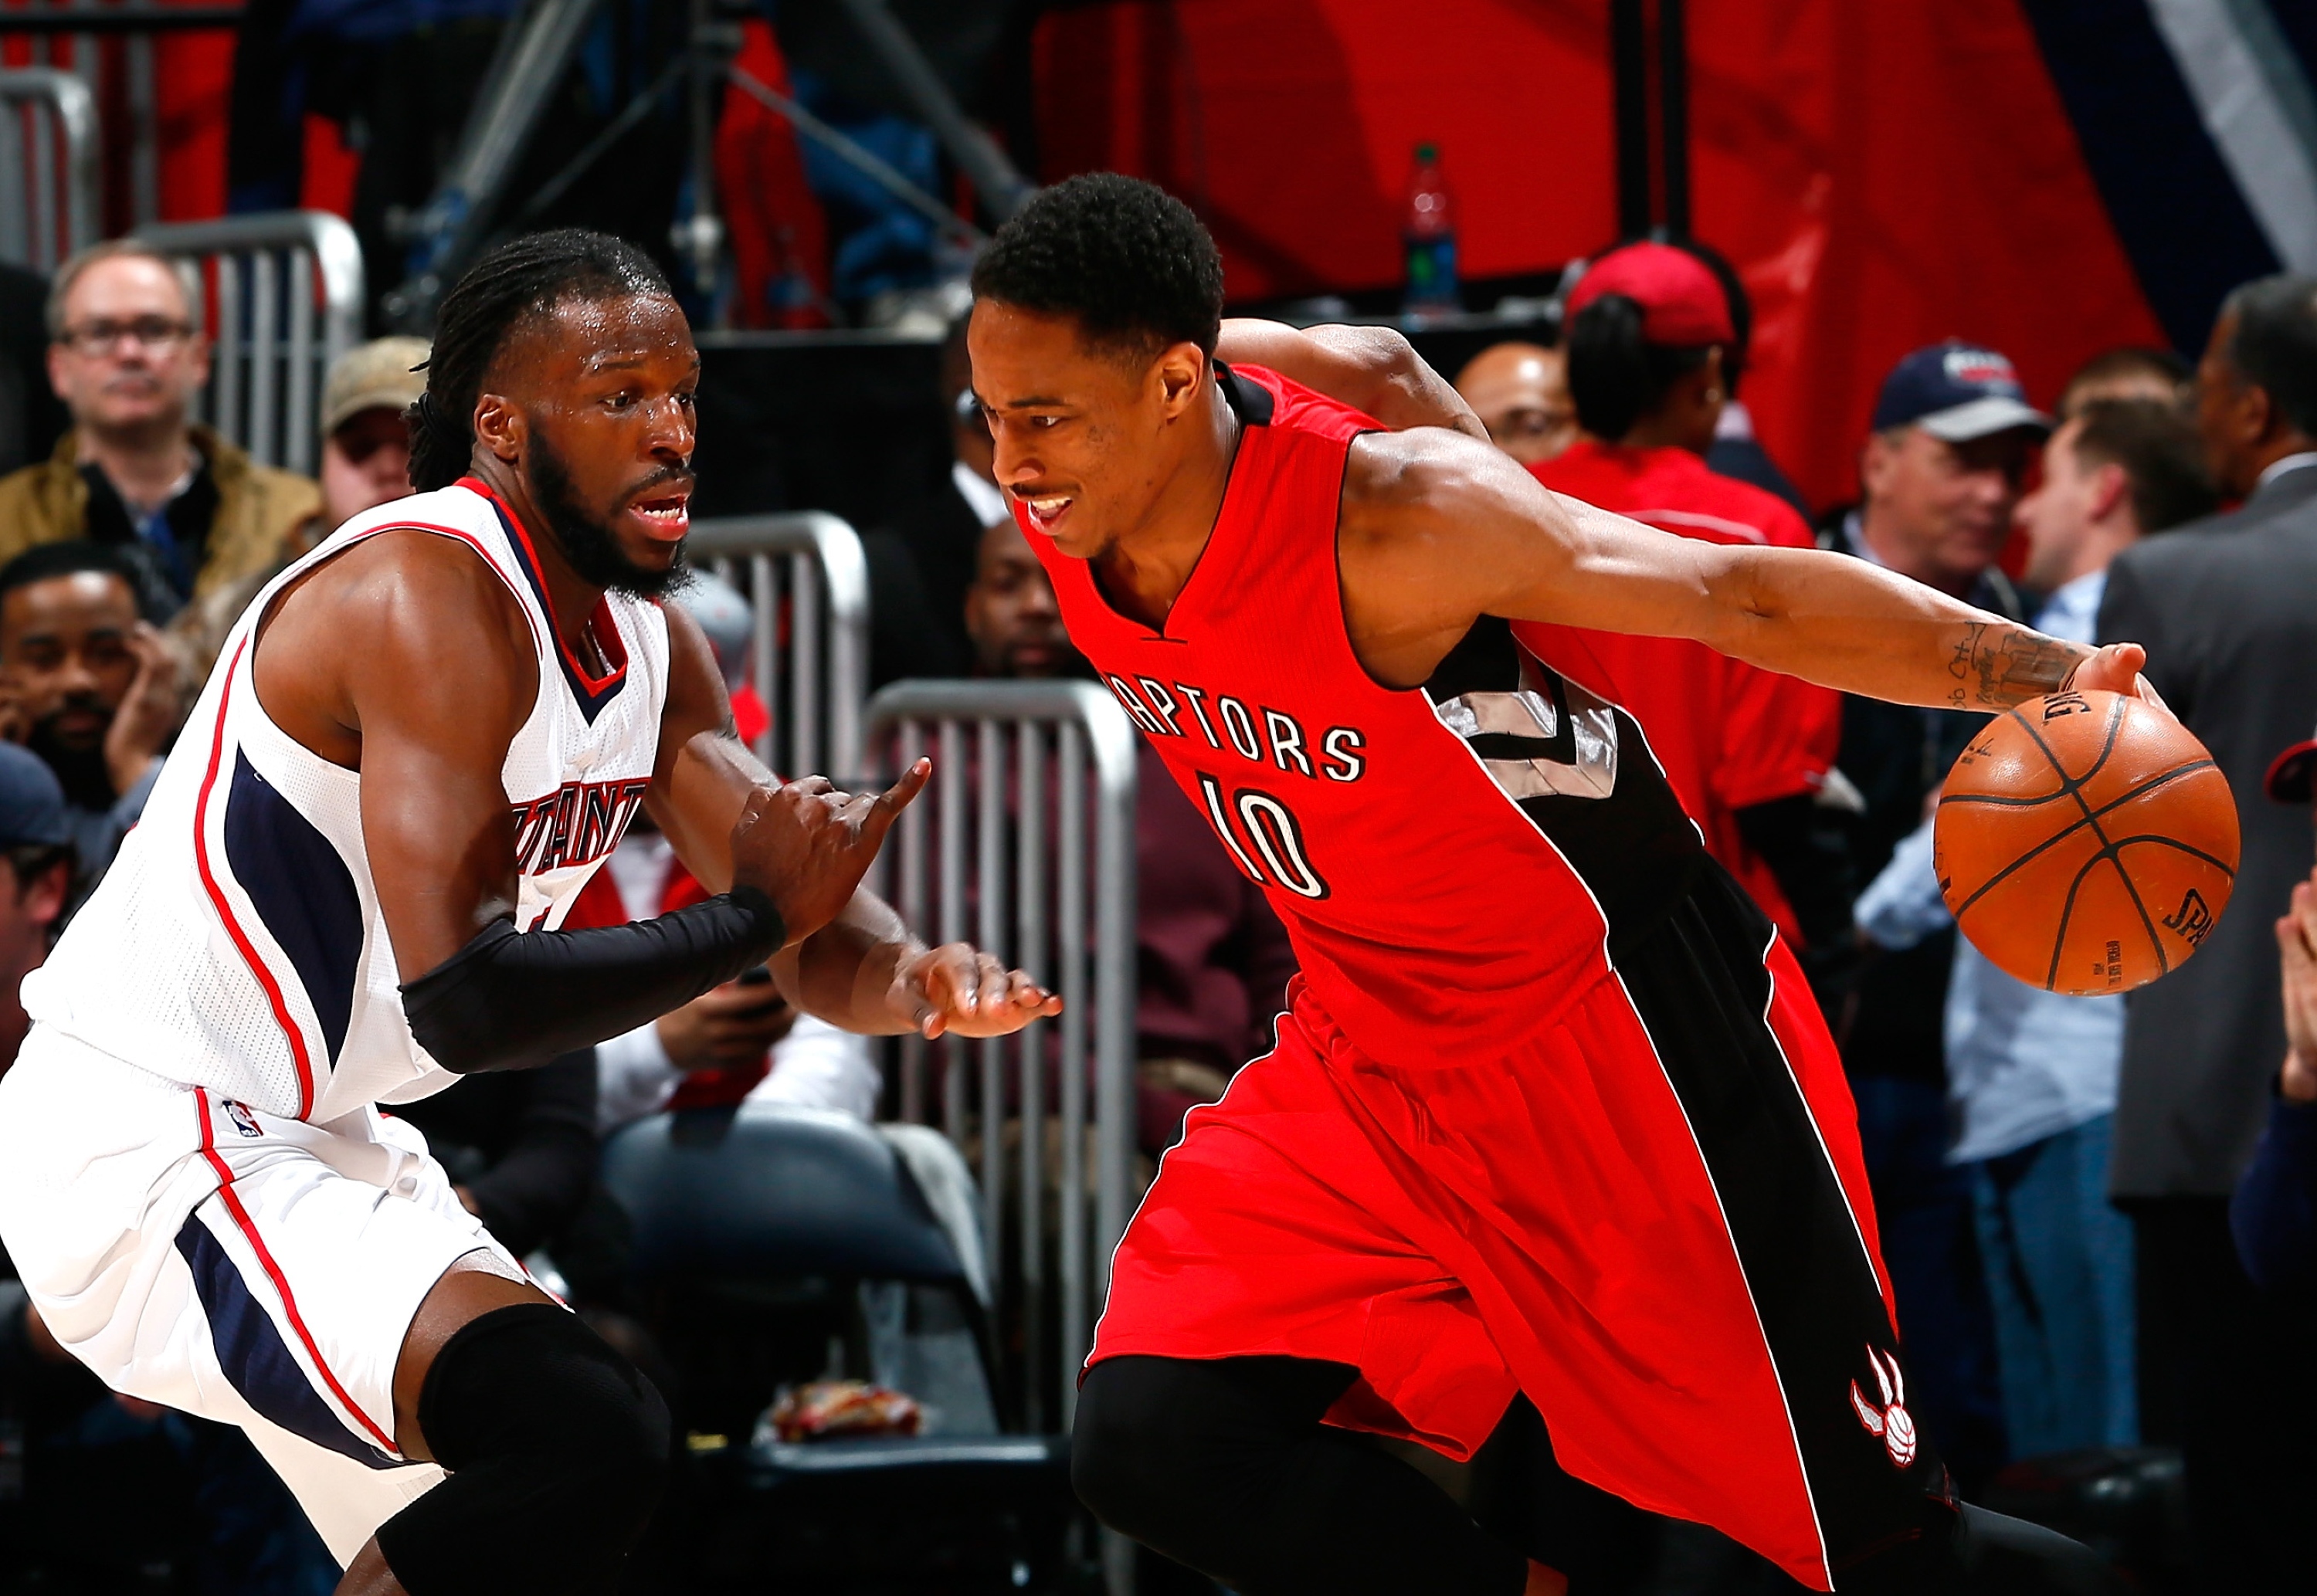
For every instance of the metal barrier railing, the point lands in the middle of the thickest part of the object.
(816, 666)
(281, 297)
(50, 166)
(1016, 765)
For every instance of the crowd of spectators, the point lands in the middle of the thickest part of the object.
(2100, 1215)
(2222, 605)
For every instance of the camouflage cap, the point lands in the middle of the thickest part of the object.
(374, 376)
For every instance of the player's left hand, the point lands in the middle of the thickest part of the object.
(2115, 668)
(959, 989)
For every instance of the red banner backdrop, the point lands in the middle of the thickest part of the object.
(1290, 124)
(192, 76)
(1883, 175)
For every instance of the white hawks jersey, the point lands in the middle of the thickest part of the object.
(237, 942)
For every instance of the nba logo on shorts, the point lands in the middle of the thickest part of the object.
(243, 1120)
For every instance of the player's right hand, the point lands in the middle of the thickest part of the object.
(2115, 668)
(806, 845)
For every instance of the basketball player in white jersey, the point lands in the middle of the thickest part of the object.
(417, 744)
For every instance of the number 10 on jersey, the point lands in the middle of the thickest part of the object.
(1258, 827)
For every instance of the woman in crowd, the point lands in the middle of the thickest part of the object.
(1648, 333)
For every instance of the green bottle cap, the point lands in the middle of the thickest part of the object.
(1427, 152)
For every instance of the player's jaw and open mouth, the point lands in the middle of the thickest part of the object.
(664, 512)
(1045, 508)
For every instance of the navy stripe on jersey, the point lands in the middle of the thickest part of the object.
(590, 693)
(301, 889)
(255, 1358)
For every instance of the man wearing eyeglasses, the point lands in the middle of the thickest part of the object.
(189, 510)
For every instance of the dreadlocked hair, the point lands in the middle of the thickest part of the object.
(522, 280)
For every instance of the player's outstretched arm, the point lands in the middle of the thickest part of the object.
(1438, 531)
(1374, 369)
(861, 969)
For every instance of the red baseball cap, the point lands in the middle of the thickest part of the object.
(2292, 776)
(1682, 302)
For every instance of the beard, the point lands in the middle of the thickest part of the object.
(81, 772)
(586, 538)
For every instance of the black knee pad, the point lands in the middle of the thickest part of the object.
(1142, 1445)
(1163, 1444)
(557, 1450)
(1108, 1440)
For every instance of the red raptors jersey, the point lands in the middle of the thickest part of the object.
(1729, 735)
(1453, 862)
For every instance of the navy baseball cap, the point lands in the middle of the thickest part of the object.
(1957, 392)
(31, 802)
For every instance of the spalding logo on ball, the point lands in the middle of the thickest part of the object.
(2086, 842)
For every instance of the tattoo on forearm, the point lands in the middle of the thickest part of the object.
(1994, 667)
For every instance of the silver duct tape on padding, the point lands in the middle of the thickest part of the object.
(1581, 763)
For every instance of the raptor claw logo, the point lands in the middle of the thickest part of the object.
(1891, 1420)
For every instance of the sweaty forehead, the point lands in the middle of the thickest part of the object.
(583, 334)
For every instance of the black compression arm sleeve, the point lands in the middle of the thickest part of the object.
(511, 1001)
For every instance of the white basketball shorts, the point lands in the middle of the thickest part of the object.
(253, 1270)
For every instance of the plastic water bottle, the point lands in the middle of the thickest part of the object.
(1430, 239)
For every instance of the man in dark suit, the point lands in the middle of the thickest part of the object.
(2227, 608)
(32, 417)
(920, 568)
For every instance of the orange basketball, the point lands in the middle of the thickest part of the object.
(2086, 842)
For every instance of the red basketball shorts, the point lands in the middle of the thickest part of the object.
(1652, 1219)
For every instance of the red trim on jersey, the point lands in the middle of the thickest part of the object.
(274, 1271)
(249, 955)
(470, 540)
(601, 621)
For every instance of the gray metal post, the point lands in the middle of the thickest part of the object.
(989, 932)
(525, 76)
(303, 269)
(1112, 741)
(56, 209)
(1072, 947)
(949, 793)
(1093, 904)
(1002, 188)
(829, 635)
(15, 197)
(1030, 875)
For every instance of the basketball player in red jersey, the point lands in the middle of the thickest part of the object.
(1551, 1112)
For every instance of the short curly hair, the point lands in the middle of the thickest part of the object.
(1124, 257)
